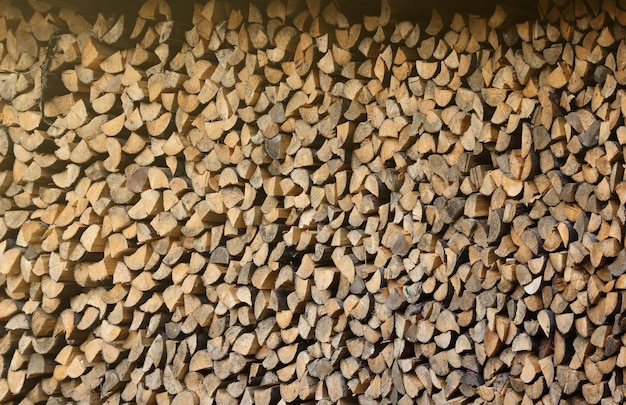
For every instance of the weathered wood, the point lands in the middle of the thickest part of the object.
(311, 201)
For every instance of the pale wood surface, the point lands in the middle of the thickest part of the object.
(309, 201)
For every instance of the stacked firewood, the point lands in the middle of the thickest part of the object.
(279, 203)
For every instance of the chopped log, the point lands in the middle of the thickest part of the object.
(311, 201)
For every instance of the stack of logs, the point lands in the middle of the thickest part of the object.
(275, 203)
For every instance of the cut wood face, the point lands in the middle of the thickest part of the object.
(298, 201)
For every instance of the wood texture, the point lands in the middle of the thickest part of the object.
(312, 202)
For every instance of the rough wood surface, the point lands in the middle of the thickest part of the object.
(311, 201)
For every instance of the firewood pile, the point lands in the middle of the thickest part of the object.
(277, 202)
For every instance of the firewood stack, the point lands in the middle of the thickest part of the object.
(279, 203)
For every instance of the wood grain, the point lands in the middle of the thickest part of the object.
(312, 201)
